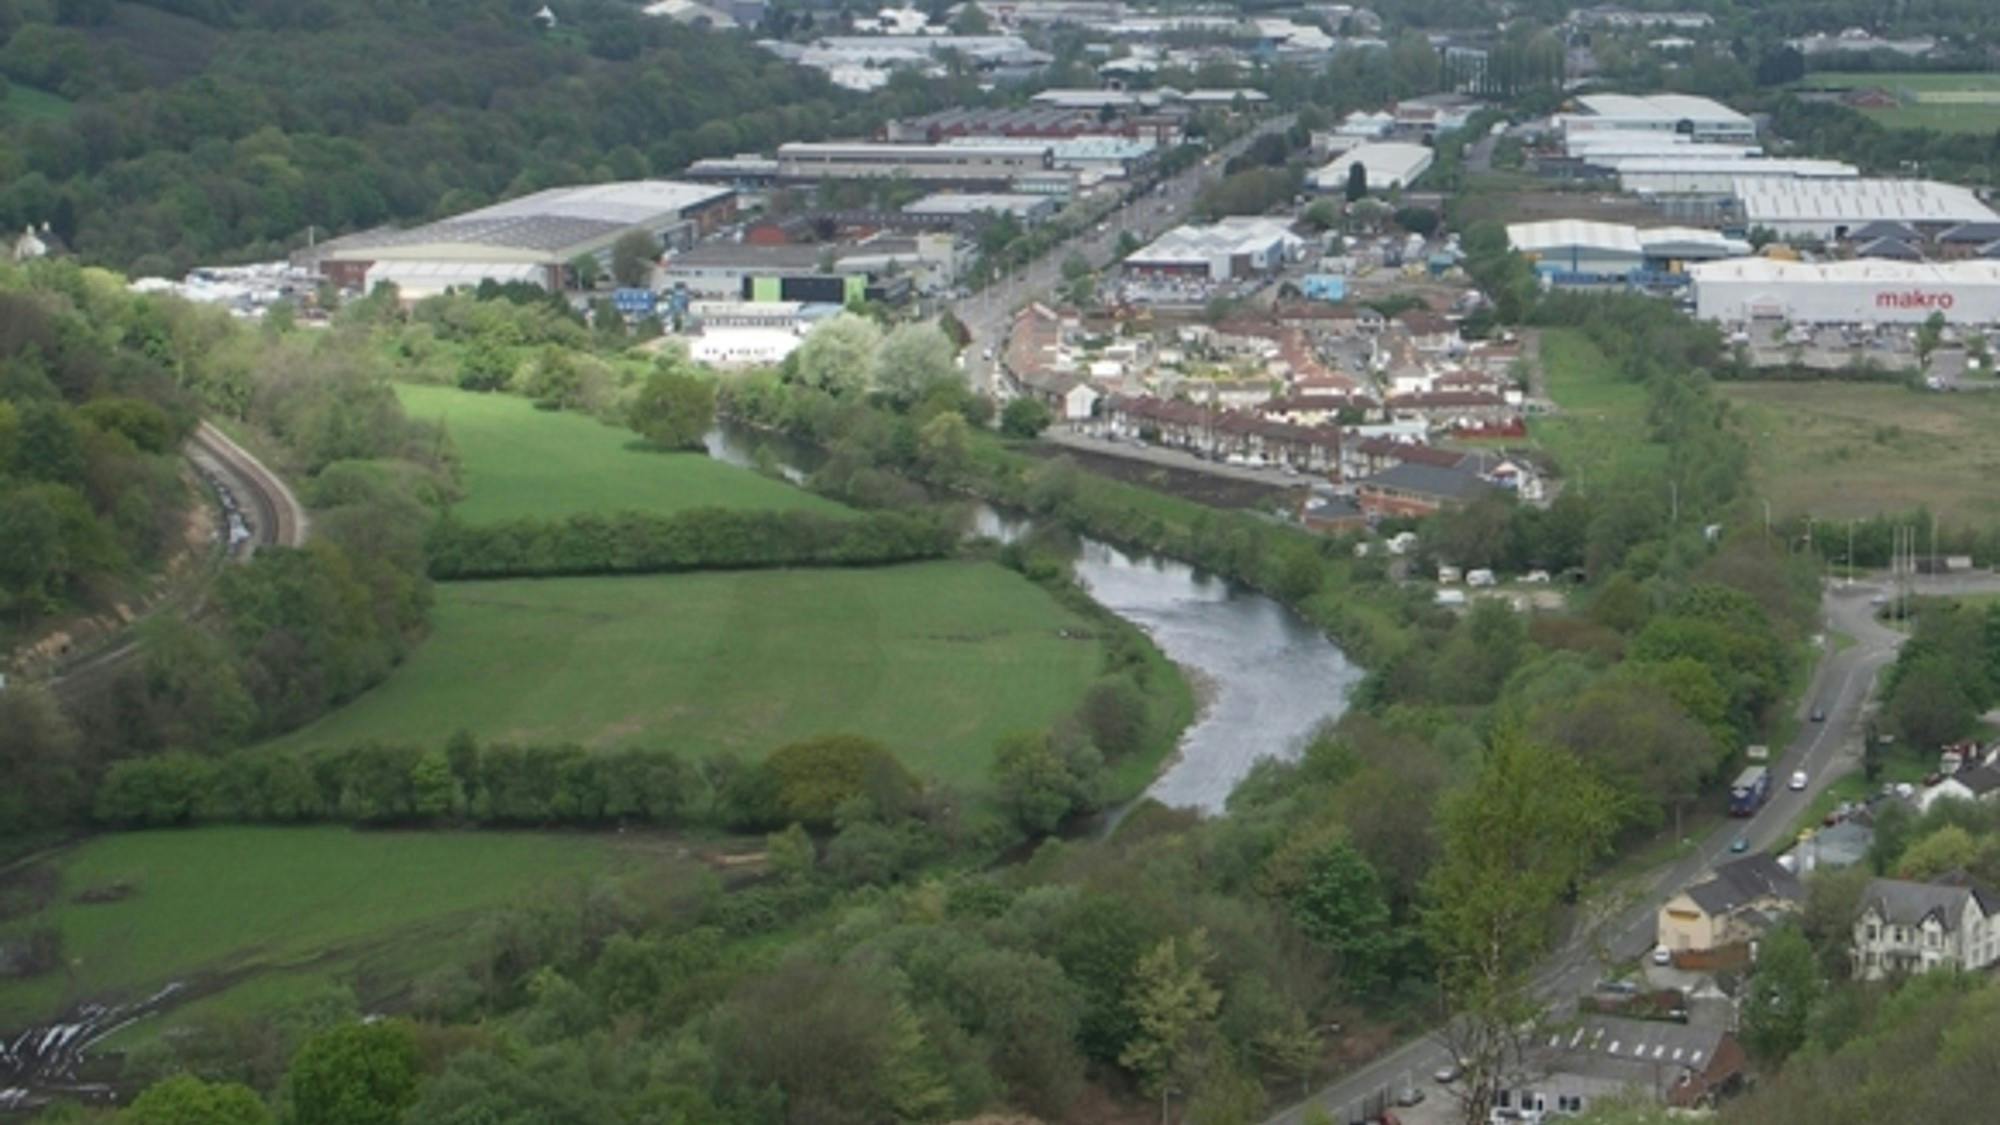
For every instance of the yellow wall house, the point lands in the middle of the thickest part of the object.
(1732, 906)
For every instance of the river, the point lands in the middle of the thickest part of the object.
(1266, 678)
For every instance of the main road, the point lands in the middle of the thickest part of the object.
(1823, 750)
(1146, 213)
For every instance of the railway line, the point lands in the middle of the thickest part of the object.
(258, 510)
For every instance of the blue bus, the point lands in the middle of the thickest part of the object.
(1747, 795)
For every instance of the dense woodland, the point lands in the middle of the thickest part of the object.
(223, 130)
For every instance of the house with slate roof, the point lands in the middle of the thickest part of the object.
(1734, 905)
(1907, 927)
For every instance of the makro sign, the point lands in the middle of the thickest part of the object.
(1915, 299)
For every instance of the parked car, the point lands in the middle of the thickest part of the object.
(1448, 1073)
(1662, 955)
(1819, 714)
(1740, 844)
(1798, 780)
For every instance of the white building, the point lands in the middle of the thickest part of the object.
(1700, 119)
(1831, 208)
(1388, 164)
(534, 238)
(1908, 928)
(1687, 174)
(1240, 246)
(1602, 146)
(743, 347)
(1862, 291)
(1027, 209)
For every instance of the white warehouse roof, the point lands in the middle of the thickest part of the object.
(1617, 238)
(1193, 244)
(1745, 166)
(1389, 164)
(1552, 234)
(548, 226)
(1855, 202)
(1606, 144)
(1660, 107)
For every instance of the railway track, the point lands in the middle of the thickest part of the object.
(257, 510)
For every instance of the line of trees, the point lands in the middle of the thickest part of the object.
(697, 539)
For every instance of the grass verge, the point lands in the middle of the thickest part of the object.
(937, 660)
(1848, 450)
(522, 462)
(271, 910)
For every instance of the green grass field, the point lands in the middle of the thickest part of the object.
(1842, 450)
(937, 660)
(522, 462)
(1601, 429)
(1953, 103)
(26, 105)
(277, 911)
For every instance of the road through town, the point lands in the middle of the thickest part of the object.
(1841, 685)
(1144, 214)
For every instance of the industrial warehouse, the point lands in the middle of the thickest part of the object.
(1388, 165)
(1233, 248)
(1863, 291)
(1822, 209)
(1574, 252)
(532, 239)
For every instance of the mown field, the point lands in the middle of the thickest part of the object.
(1601, 429)
(1953, 103)
(937, 660)
(1841, 450)
(522, 462)
(244, 915)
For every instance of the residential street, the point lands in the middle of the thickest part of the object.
(1842, 684)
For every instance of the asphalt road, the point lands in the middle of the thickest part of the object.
(1824, 750)
(987, 313)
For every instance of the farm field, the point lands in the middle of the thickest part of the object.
(522, 462)
(1954, 103)
(1841, 450)
(249, 914)
(1601, 430)
(937, 660)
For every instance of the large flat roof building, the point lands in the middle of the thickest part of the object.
(1235, 247)
(1578, 251)
(1862, 291)
(971, 166)
(533, 238)
(1690, 174)
(1388, 164)
(1028, 209)
(1834, 208)
(1700, 119)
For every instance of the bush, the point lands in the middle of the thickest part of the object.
(816, 777)
(1025, 418)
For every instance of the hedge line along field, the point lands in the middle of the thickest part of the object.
(522, 462)
(936, 660)
(274, 910)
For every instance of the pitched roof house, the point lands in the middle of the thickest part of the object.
(1735, 904)
(1909, 927)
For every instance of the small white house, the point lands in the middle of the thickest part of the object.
(1078, 402)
